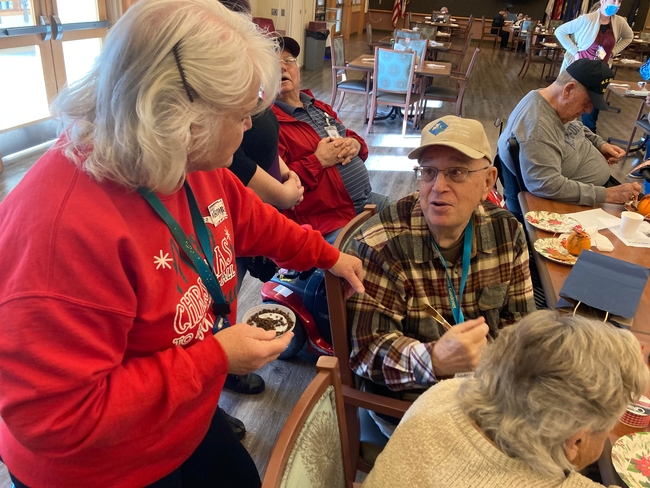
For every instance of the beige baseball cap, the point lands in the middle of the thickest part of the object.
(464, 135)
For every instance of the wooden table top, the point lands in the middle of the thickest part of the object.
(422, 69)
(631, 63)
(621, 91)
(553, 275)
(441, 46)
(441, 24)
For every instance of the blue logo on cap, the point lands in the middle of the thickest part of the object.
(438, 128)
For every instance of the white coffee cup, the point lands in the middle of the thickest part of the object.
(630, 223)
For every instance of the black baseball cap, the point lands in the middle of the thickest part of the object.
(594, 75)
(290, 45)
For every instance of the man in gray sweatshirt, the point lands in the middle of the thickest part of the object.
(560, 158)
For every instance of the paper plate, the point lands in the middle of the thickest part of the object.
(631, 459)
(271, 311)
(552, 248)
(551, 221)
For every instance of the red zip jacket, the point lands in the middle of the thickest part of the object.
(327, 206)
(109, 372)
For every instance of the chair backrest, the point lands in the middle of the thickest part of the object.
(428, 32)
(512, 180)
(472, 64)
(644, 36)
(554, 24)
(352, 397)
(529, 41)
(394, 70)
(461, 58)
(407, 33)
(485, 29)
(265, 24)
(338, 52)
(312, 450)
(528, 25)
(418, 46)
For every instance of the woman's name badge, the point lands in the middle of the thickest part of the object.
(600, 53)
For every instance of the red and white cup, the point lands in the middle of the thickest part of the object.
(637, 414)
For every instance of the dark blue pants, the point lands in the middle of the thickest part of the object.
(589, 120)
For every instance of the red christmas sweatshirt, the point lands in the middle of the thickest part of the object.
(109, 373)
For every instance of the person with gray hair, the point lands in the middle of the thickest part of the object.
(117, 291)
(543, 399)
(559, 158)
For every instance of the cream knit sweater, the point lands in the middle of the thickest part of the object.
(435, 445)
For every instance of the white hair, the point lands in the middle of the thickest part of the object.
(549, 377)
(131, 119)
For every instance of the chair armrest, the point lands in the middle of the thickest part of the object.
(352, 68)
(374, 402)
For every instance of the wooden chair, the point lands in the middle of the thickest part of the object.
(372, 44)
(486, 32)
(534, 56)
(428, 32)
(460, 55)
(418, 46)
(312, 450)
(452, 95)
(512, 180)
(462, 34)
(393, 84)
(644, 125)
(554, 24)
(340, 69)
(362, 454)
(520, 35)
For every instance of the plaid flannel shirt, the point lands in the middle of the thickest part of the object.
(392, 335)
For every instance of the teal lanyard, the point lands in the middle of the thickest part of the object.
(203, 266)
(456, 300)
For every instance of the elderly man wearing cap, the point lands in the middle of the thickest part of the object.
(328, 158)
(441, 248)
(559, 157)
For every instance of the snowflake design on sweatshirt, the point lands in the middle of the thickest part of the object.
(162, 260)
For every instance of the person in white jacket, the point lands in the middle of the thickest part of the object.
(600, 34)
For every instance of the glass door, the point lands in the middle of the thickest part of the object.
(44, 44)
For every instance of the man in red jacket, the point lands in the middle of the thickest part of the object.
(328, 158)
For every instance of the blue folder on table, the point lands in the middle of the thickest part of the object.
(605, 284)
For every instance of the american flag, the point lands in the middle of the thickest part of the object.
(399, 10)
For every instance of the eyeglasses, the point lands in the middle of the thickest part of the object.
(457, 175)
(289, 61)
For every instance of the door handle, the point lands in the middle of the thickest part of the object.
(57, 28)
(47, 35)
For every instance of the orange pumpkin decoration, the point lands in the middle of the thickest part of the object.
(577, 242)
(644, 206)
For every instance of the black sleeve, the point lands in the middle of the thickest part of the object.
(242, 166)
(259, 147)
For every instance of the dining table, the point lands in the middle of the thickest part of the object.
(553, 274)
(423, 69)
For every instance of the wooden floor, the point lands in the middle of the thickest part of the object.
(493, 92)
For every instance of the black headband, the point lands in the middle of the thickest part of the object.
(181, 71)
